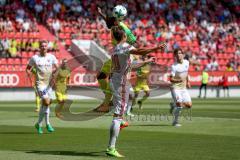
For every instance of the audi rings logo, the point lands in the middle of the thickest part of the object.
(85, 79)
(9, 79)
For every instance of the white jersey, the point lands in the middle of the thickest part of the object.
(121, 62)
(44, 68)
(180, 70)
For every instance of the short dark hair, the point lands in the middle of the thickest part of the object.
(118, 33)
(42, 41)
(175, 52)
(110, 21)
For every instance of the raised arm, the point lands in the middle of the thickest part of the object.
(140, 63)
(144, 51)
(194, 62)
(101, 13)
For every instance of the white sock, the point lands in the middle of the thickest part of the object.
(47, 113)
(129, 106)
(176, 113)
(114, 131)
(41, 116)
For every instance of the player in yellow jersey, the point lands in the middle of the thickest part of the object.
(142, 82)
(61, 80)
(103, 81)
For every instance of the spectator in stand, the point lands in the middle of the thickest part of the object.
(212, 64)
(23, 45)
(34, 25)
(52, 46)
(238, 67)
(2, 25)
(237, 52)
(12, 51)
(29, 45)
(26, 26)
(38, 9)
(6, 45)
(56, 7)
(20, 14)
(8, 25)
(2, 51)
(35, 45)
(2, 2)
(56, 25)
(229, 67)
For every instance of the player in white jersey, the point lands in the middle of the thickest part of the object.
(121, 67)
(45, 65)
(179, 84)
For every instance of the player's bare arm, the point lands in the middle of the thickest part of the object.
(145, 51)
(141, 63)
(194, 62)
(174, 79)
(101, 13)
(29, 73)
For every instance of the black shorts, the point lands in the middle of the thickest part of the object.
(225, 87)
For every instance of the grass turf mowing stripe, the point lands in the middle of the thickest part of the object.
(90, 143)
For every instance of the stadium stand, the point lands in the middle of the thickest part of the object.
(207, 30)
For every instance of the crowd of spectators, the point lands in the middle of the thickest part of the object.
(14, 47)
(14, 18)
(204, 29)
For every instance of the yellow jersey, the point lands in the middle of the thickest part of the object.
(107, 67)
(61, 79)
(143, 72)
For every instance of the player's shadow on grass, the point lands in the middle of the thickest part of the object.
(152, 125)
(69, 153)
(17, 133)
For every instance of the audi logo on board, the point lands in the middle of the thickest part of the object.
(9, 79)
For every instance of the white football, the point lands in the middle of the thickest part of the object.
(119, 12)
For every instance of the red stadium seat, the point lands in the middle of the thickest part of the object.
(11, 35)
(24, 54)
(2, 67)
(104, 36)
(67, 30)
(164, 55)
(17, 61)
(61, 35)
(3, 60)
(18, 35)
(30, 54)
(10, 61)
(67, 36)
(222, 62)
(24, 61)
(68, 42)
(25, 35)
(170, 55)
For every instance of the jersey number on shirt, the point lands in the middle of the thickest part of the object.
(116, 64)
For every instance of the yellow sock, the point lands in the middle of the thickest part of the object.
(38, 102)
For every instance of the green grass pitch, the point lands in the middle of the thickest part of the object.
(210, 132)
